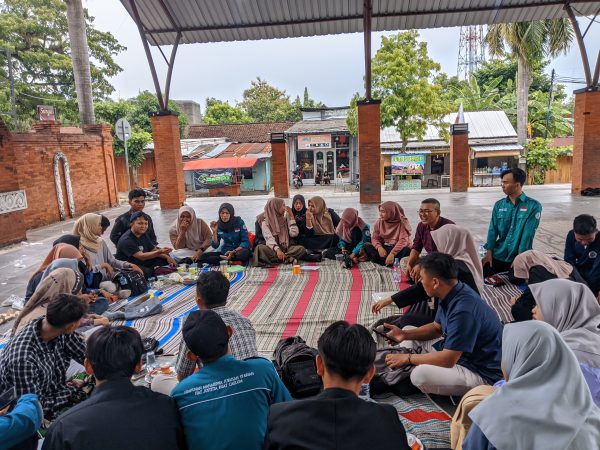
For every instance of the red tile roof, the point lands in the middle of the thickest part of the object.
(239, 132)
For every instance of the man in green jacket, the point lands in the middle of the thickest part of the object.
(512, 228)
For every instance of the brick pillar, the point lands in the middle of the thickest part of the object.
(280, 166)
(585, 171)
(104, 131)
(12, 199)
(369, 150)
(460, 170)
(167, 155)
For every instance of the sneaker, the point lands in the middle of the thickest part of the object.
(15, 302)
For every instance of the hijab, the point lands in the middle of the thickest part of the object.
(65, 263)
(59, 251)
(227, 227)
(546, 403)
(276, 221)
(349, 220)
(302, 212)
(457, 242)
(193, 236)
(395, 223)
(70, 239)
(526, 260)
(573, 310)
(59, 281)
(322, 221)
(88, 227)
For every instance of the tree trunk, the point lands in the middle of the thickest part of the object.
(523, 83)
(81, 61)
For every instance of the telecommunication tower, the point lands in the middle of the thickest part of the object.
(471, 50)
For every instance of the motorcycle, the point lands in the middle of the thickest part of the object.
(152, 191)
(296, 180)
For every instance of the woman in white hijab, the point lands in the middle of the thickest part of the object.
(545, 403)
(573, 310)
(191, 233)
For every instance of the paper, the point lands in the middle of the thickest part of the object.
(235, 268)
(309, 268)
(377, 296)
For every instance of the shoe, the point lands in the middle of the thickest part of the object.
(313, 257)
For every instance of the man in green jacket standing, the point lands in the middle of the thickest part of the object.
(512, 228)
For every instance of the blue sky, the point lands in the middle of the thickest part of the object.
(332, 67)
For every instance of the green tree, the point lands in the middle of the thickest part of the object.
(219, 112)
(402, 78)
(528, 42)
(36, 32)
(475, 97)
(542, 158)
(265, 103)
(146, 103)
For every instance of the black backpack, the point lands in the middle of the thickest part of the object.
(132, 280)
(295, 363)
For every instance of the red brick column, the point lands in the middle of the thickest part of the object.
(279, 165)
(12, 223)
(104, 131)
(369, 151)
(585, 172)
(460, 170)
(167, 154)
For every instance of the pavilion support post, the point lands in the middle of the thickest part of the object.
(460, 169)
(167, 154)
(367, 14)
(585, 170)
(280, 166)
(369, 150)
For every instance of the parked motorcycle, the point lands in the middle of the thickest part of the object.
(152, 191)
(296, 179)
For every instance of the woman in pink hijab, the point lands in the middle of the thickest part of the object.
(391, 235)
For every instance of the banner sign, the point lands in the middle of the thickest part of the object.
(404, 164)
(46, 112)
(308, 141)
(212, 178)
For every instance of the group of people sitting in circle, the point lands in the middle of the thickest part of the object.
(531, 384)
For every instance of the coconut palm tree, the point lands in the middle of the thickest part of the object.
(81, 61)
(528, 42)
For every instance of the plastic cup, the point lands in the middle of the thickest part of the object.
(192, 271)
(296, 269)
(165, 368)
(224, 265)
(339, 259)
(181, 268)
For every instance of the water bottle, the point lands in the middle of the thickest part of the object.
(482, 251)
(365, 392)
(396, 275)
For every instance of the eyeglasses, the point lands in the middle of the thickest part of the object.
(426, 211)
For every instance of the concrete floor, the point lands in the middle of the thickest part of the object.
(471, 210)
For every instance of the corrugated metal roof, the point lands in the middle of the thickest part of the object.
(496, 147)
(236, 20)
(482, 125)
(217, 150)
(318, 126)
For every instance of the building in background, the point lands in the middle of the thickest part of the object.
(192, 111)
(321, 144)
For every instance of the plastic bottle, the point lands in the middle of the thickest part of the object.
(482, 251)
(396, 275)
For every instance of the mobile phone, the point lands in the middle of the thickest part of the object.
(386, 336)
(7, 397)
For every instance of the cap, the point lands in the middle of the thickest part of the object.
(205, 334)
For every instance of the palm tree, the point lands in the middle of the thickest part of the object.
(477, 98)
(81, 61)
(528, 42)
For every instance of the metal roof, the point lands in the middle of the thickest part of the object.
(245, 20)
(319, 126)
(496, 147)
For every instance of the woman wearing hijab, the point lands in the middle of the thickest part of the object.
(391, 235)
(278, 227)
(60, 281)
(232, 232)
(545, 403)
(299, 210)
(89, 228)
(60, 250)
(353, 234)
(319, 226)
(457, 242)
(189, 232)
(534, 266)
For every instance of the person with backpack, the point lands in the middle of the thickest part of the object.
(224, 405)
(338, 418)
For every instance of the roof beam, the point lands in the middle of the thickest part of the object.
(501, 7)
(367, 13)
(584, 56)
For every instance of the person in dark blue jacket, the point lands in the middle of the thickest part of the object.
(582, 248)
(232, 232)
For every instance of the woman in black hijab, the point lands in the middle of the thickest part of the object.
(232, 232)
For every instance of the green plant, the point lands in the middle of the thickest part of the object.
(542, 158)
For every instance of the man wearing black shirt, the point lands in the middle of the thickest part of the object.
(117, 414)
(136, 247)
(137, 201)
(582, 249)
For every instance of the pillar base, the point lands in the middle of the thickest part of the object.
(369, 150)
(167, 154)
(280, 168)
(585, 171)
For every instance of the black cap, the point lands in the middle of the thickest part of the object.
(205, 334)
